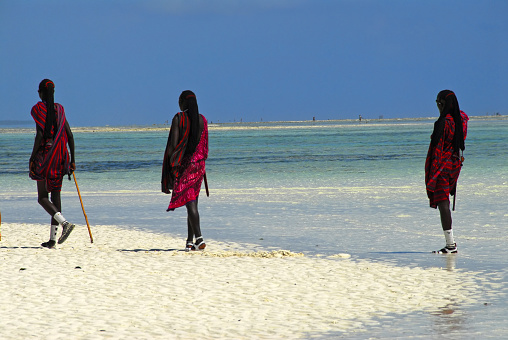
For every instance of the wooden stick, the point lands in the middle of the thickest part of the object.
(83, 208)
(454, 197)
(206, 186)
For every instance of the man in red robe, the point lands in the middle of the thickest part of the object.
(444, 161)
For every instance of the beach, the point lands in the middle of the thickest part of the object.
(314, 230)
(132, 284)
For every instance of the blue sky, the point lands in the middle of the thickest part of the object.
(125, 62)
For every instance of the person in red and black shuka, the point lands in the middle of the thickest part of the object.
(444, 161)
(183, 168)
(49, 161)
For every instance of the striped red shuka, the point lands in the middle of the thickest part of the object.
(442, 166)
(52, 159)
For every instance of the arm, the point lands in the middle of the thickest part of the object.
(70, 140)
(37, 145)
(175, 134)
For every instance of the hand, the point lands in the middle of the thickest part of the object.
(32, 167)
(72, 167)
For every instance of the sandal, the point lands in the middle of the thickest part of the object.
(201, 245)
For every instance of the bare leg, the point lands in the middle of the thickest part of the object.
(43, 199)
(193, 227)
(446, 222)
(446, 214)
(57, 202)
(51, 208)
(190, 231)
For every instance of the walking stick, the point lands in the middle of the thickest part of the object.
(206, 186)
(83, 208)
(454, 197)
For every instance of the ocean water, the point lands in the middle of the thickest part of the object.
(321, 188)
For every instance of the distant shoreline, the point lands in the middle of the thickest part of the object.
(243, 125)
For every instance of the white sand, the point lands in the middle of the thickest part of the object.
(138, 285)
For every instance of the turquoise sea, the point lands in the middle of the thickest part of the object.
(321, 188)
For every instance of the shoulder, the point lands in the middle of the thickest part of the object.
(177, 116)
(464, 115)
(37, 110)
(175, 119)
(180, 117)
(203, 123)
(38, 106)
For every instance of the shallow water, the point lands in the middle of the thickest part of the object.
(320, 188)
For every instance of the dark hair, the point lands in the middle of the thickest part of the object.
(189, 104)
(451, 107)
(47, 91)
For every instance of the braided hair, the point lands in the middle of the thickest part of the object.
(47, 92)
(451, 107)
(189, 104)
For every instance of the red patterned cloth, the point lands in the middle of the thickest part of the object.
(191, 170)
(442, 166)
(52, 158)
